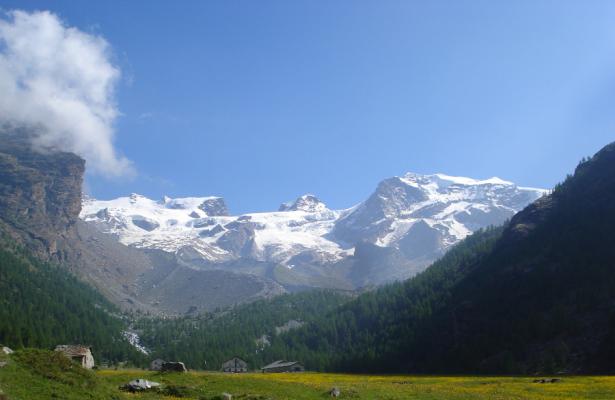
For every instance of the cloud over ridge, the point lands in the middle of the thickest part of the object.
(60, 82)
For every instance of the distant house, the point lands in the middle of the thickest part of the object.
(235, 365)
(156, 365)
(80, 354)
(283, 366)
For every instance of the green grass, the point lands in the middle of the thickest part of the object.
(36, 374)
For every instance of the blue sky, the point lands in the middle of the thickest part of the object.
(262, 101)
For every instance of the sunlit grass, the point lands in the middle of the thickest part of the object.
(316, 385)
(23, 382)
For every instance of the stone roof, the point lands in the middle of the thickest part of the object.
(280, 363)
(73, 350)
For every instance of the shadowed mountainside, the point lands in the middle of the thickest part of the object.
(536, 295)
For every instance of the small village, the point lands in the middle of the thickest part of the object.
(82, 355)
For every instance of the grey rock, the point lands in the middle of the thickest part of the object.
(547, 380)
(214, 207)
(211, 232)
(373, 217)
(239, 237)
(40, 194)
(203, 222)
(173, 366)
(421, 240)
(144, 223)
(140, 385)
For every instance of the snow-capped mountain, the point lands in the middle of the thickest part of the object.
(307, 202)
(403, 226)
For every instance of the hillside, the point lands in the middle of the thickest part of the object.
(536, 295)
(42, 305)
(40, 202)
(245, 331)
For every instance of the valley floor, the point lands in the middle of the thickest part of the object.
(32, 379)
(317, 385)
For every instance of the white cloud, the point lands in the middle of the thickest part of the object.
(61, 82)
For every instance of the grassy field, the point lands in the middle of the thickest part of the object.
(39, 375)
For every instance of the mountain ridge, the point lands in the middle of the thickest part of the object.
(418, 217)
(532, 296)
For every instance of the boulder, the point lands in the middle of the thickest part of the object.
(227, 396)
(335, 392)
(547, 380)
(174, 367)
(6, 350)
(140, 385)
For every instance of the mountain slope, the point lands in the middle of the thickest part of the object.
(245, 331)
(537, 295)
(42, 305)
(40, 201)
(407, 223)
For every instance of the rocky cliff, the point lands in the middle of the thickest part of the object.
(40, 196)
(40, 202)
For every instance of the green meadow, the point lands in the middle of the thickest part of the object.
(37, 374)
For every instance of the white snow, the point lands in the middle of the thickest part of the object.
(171, 224)
(134, 339)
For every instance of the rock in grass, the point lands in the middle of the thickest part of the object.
(335, 392)
(140, 385)
(174, 367)
(227, 396)
(547, 380)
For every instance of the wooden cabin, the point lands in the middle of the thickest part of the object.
(283, 366)
(78, 353)
(235, 365)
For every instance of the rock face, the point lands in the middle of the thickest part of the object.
(40, 201)
(214, 207)
(40, 196)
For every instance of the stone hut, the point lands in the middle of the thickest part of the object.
(283, 366)
(156, 365)
(78, 353)
(235, 365)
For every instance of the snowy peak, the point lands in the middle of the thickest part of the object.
(404, 225)
(443, 180)
(211, 206)
(452, 206)
(307, 203)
